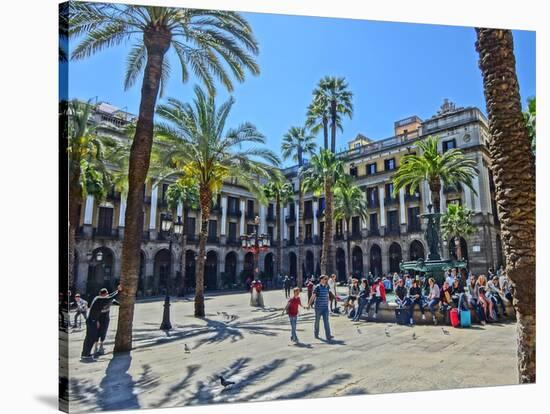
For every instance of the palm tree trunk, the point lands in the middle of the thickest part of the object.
(205, 200)
(327, 261)
(333, 126)
(348, 247)
(279, 238)
(325, 132)
(157, 43)
(183, 249)
(513, 169)
(300, 280)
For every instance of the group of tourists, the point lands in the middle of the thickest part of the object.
(484, 294)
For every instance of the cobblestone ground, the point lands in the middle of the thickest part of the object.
(254, 351)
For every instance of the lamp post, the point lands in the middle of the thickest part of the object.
(171, 230)
(256, 243)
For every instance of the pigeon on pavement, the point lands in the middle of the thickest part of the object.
(445, 331)
(187, 349)
(414, 335)
(224, 382)
(387, 332)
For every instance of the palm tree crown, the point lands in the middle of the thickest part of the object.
(297, 142)
(201, 39)
(451, 169)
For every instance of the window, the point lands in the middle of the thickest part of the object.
(292, 209)
(270, 210)
(373, 219)
(389, 165)
(389, 191)
(250, 229)
(232, 236)
(308, 209)
(450, 144)
(233, 204)
(338, 228)
(250, 208)
(308, 231)
(321, 204)
(372, 196)
(270, 232)
(357, 145)
(212, 228)
(371, 169)
(291, 233)
(457, 201)
(356, 225)
(105, 220)
(321, 229)
(164, 191)
(353, 171)
(190, 226)
(414, 220)
(393, 223)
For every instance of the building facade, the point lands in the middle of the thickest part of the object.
(393, 232)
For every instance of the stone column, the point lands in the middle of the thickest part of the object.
(402, 209)
(88, 215)
(426, 195)
(381, 196)
(442, 200)
(315, 220)
(153, 213)
(223, 224)
(468, 198)
(297, 210)
(81, 277)
(263, 217)
(243, 214)
(285, 226)
(477, 200)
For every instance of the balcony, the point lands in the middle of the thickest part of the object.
(162, 203)
(251, 215)
(290, 218)
(232, 240)
(388, 201)
(291, 242)
(234, 213)
(104, 233)
(414, 197)
(414, 228)
(144, 235)
(308, 214)
(355, 235)
(308, 240)
(216, 210)
(270, 217)
(374, 232)
(338, 237)
(373, 204)
(192, 238)
(393, 231)
(213, 239)
(320, 212)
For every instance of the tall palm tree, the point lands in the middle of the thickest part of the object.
(456, 223)
(349, 201)
(319, 177)
(212, 44)
(188, 196)
(451, 169)
(87, 172)
(63, 30)
(199, 150)
(513, 167)
(281, 191)
(334, 93)
(317, 116)
(297, 143)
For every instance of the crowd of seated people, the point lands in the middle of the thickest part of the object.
(461, 291)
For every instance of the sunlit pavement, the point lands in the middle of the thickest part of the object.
(252, 348)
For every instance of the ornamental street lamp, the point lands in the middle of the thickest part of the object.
(256, 243)
(172, 231)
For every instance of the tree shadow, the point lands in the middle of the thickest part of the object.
(179, 387)
(116, 389)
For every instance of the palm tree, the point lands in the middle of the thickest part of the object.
(349, 201)
(199, 151)
(63, 30)
(318, 117)
(210, 43)
(456, 223)
(334, 93)
(513, 166)
(281, 191)
(188, 196)
(87, 172)
(297, 143)
(319, 177)
(451, 169)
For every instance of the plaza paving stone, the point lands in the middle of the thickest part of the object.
(254, 351)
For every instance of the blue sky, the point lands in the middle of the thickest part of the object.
(394, 70)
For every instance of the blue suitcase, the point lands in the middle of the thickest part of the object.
(465, 319)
